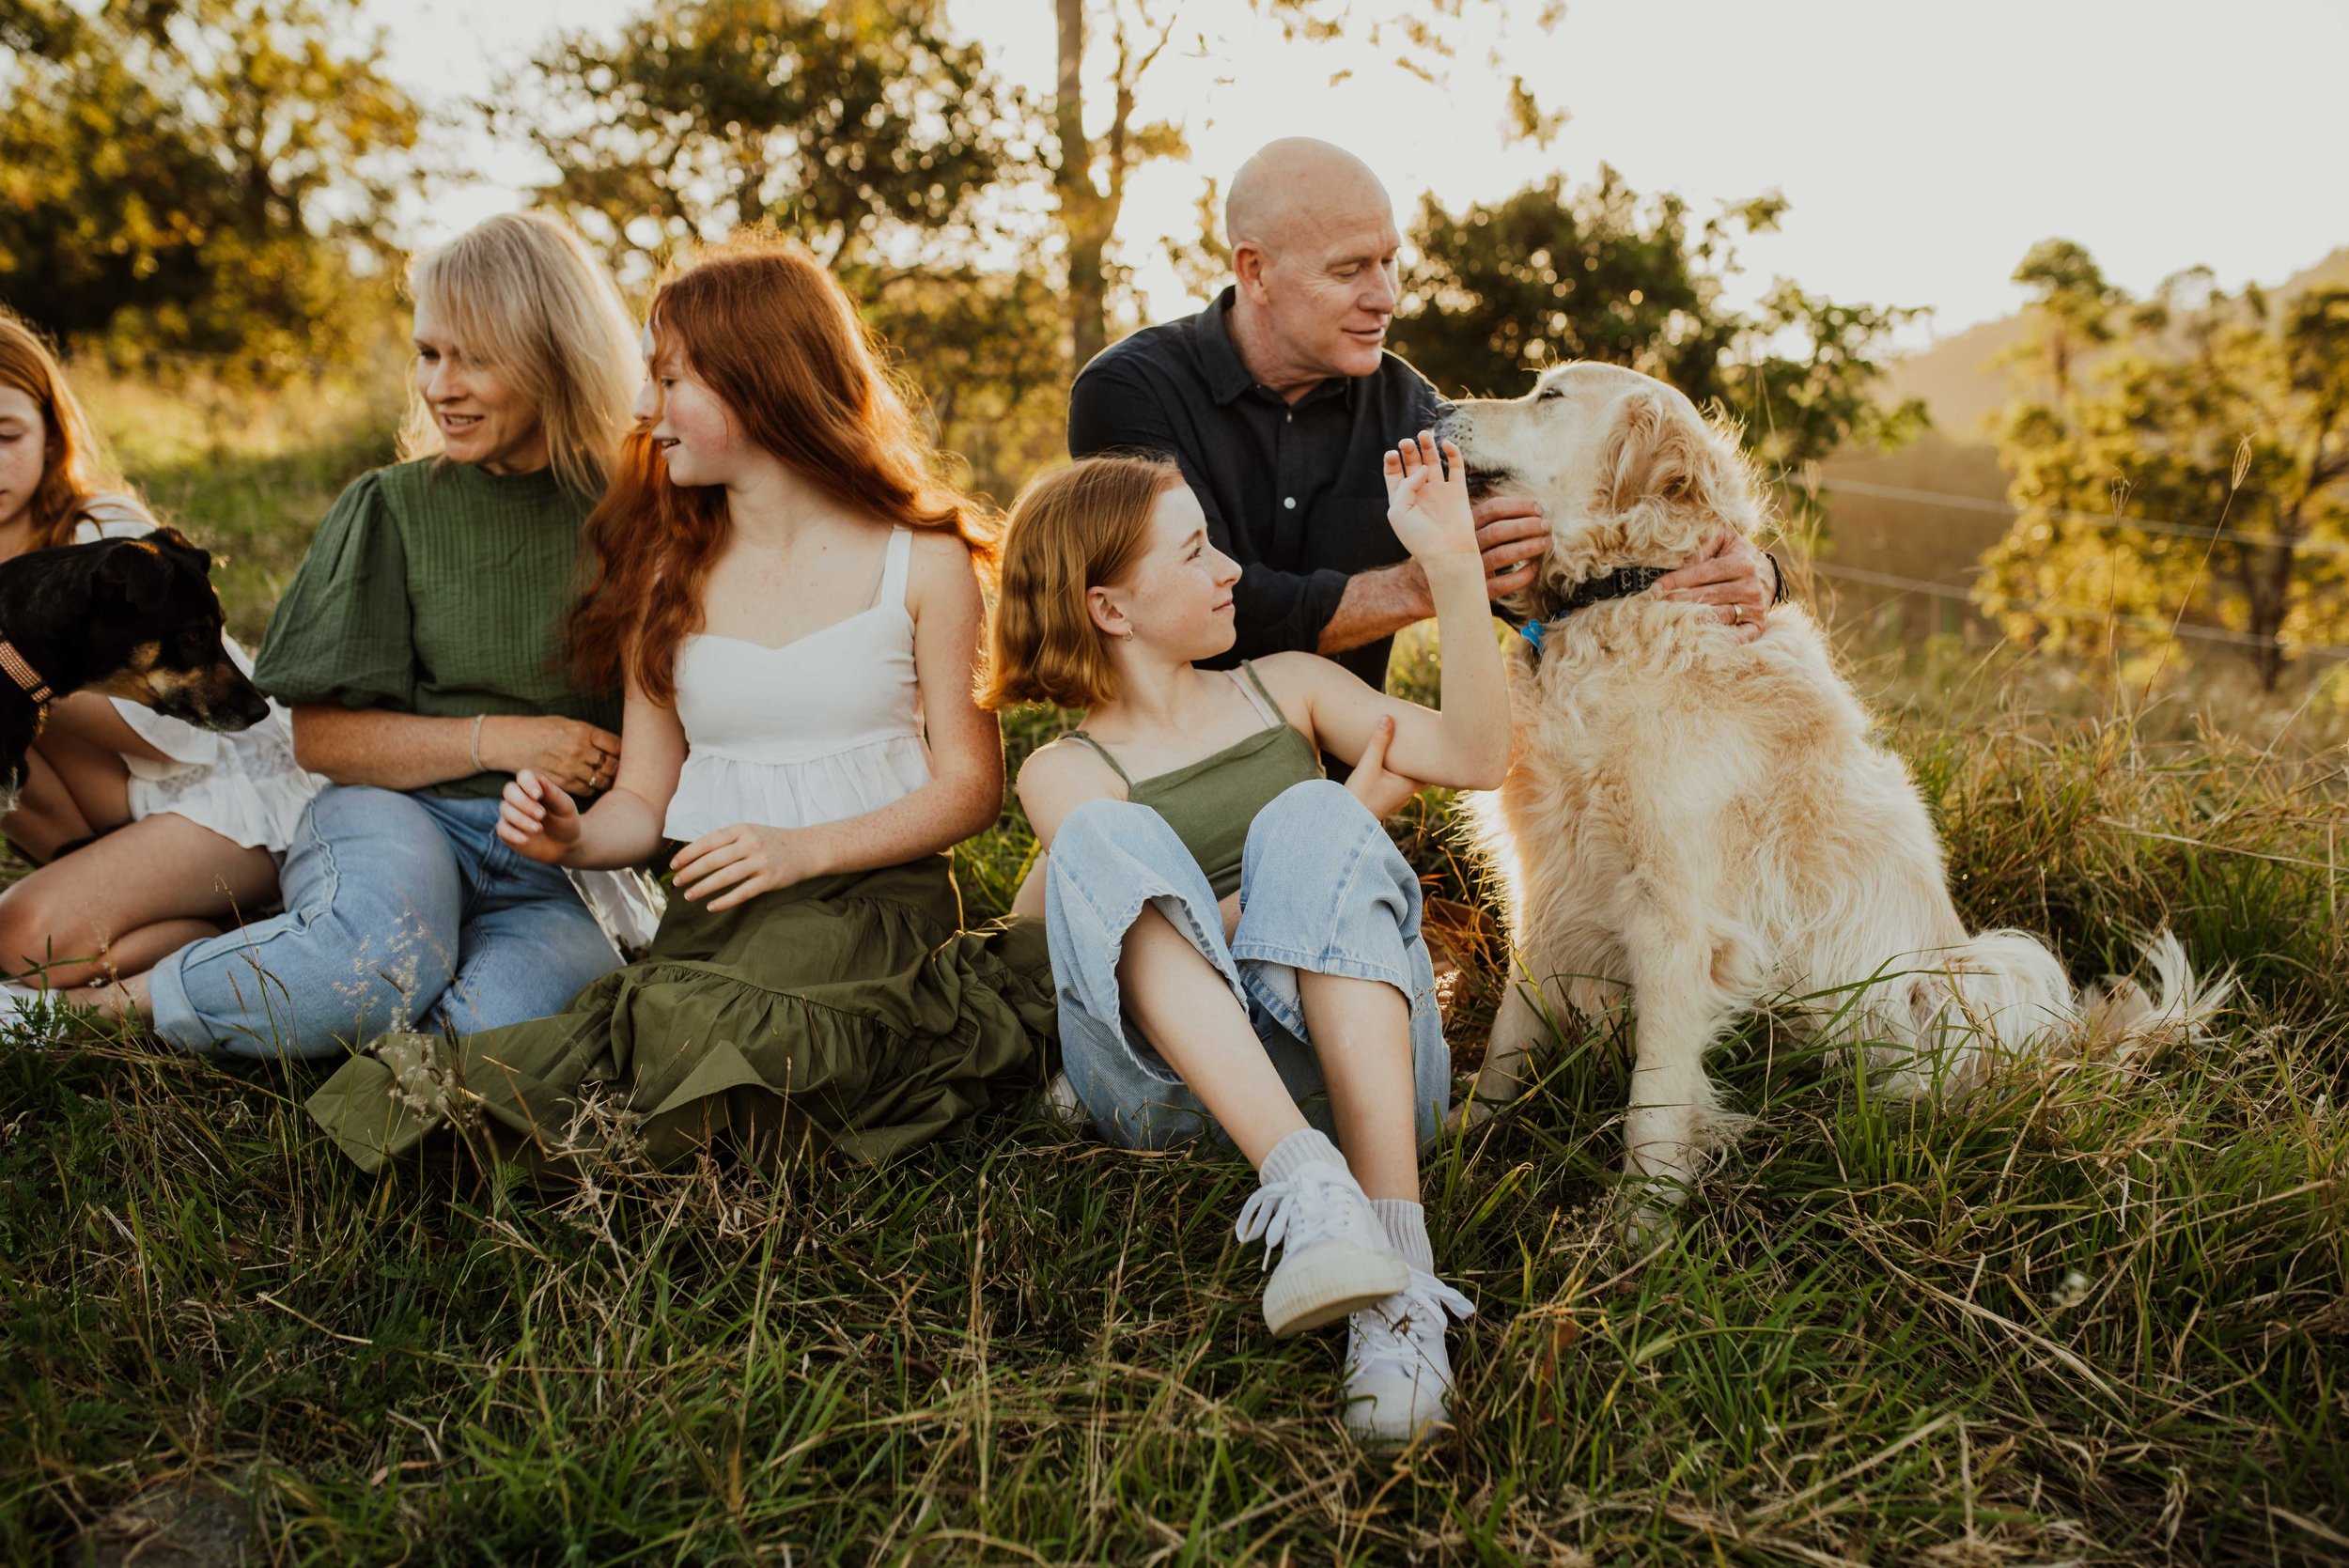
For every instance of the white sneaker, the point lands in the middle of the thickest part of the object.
(1335, 1256)
(1398, 1375)
(1061, 1105)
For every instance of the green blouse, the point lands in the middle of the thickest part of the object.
(435, 588)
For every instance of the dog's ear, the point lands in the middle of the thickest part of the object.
(137, 574)
(1656, 453)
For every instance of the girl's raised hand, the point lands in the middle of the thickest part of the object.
(539, 821)
(1427, 499)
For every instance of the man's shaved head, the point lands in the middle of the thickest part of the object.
(1314, 271)
(1296, 186)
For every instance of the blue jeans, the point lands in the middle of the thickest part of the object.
(1322, 889)
(401, 911)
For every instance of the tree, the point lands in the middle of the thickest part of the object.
(1090, 170)
(1499, 292)
(860, 127)
(209, 176)
(1089, 173)
(2198, 476)
(2071, 311)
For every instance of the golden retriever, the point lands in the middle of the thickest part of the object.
(1707, 821)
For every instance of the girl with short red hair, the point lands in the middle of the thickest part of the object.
(791, 599)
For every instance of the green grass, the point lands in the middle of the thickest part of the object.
(2093, 1314)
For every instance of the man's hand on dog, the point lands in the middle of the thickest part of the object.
(569, 752)
(1511, 531)
(1729, 574)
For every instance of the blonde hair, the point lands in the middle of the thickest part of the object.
(520, 291)
(1071, 531)
(75, 468)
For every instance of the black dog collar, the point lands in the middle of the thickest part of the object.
(26, 677)
(1622, 583)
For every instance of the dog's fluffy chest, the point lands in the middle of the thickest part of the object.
(1642, 726)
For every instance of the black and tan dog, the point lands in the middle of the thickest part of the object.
(131, 618)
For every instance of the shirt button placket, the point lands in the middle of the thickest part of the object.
(1286, 481)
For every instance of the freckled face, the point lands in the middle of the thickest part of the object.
(482, 418)
(697, 438)
(23, 452)
(1179, 595)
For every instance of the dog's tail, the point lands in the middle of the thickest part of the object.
(2121, 1019)
(2003, 994)
(1952, 1011)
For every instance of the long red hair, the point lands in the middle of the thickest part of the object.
(73, 466)
(764, 326)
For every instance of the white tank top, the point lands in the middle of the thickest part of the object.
(824, 727)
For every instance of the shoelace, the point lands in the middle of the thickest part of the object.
(1308, 1207)
(1409, 1318)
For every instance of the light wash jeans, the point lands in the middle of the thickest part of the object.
(1322, 888)
(401, 911)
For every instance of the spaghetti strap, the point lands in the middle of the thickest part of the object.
(893, 568)
(1270, 709)
(1103, 753)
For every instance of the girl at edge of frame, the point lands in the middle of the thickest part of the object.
(146, 832)
(1235, 938)
(418, 650)
(803, 772)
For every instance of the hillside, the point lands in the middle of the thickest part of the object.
(1950, 486)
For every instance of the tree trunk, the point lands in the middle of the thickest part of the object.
(1082, 212)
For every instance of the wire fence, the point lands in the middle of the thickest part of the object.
(2092, 519)
(2050, 610)
(2116, 521)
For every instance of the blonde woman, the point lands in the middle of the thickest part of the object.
(420, 649)
(146, 833)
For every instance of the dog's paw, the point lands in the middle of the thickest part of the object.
(1645, 1221)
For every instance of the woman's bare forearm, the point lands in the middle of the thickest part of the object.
(95, 721)
(622, 829)
(942, 813)
(375, 746)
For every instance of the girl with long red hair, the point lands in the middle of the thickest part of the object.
(791, 598)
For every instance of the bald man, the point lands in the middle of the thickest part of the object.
(1280, 400)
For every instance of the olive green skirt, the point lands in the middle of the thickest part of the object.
(852, 1009)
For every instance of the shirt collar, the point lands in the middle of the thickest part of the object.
(1227, 375)
(1227, 378)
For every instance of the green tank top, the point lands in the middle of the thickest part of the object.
(1209, 803)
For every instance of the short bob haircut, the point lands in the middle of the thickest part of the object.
(521, 291)
(1073, 530)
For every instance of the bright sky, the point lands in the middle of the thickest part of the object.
(1924, 148)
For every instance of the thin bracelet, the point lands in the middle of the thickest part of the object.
(478, 766)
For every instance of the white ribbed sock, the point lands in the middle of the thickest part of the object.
(1406, 1224)
(1305, 1146)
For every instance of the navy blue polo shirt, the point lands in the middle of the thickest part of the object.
(1294, 492)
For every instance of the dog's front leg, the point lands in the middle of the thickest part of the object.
(1518, 1027)
(1673, 1110)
